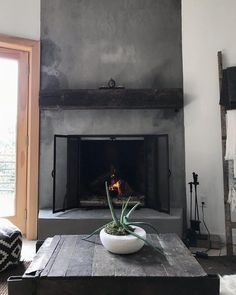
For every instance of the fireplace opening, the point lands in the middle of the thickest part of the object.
(135, 167)
(120, 162)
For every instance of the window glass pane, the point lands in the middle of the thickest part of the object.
(8, 121)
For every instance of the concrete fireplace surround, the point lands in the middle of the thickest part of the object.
(84, 44)
(107, 122)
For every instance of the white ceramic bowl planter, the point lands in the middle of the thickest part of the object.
(123, 244)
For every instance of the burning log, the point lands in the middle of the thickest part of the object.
(118, 187)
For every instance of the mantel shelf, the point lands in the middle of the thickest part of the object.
(112, 99)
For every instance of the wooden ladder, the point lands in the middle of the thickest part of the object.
(229, 225)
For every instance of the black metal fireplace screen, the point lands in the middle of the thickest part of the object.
(134, 166)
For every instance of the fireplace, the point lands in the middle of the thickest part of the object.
(134, 166)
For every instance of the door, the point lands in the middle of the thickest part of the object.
(157, 171)
(65, 172)
(13, 135)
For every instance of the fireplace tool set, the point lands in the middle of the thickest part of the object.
(194, 233)
(195, 223)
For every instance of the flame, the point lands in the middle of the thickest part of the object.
(115, 185)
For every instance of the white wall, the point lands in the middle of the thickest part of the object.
(207, 27)
(20, 18)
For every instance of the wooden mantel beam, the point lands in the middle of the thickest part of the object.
(112, 99)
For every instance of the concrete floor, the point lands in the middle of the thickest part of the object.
(213, 252)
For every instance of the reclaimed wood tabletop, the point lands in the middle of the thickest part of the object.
(71, 256)
(68, 264)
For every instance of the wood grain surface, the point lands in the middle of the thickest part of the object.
(71, 256)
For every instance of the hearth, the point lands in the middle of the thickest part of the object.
(134, 166)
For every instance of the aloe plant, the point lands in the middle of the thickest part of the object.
(123, 224)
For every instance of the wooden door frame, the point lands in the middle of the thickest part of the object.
(32, 47)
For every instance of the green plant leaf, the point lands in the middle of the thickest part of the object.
(145, 241)
(122, 207)
(141, 223)
(124, 222)
(113, 214)
(132, 210)
(123, 210)
(96, 231)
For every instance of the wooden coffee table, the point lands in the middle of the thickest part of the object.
(70, 265)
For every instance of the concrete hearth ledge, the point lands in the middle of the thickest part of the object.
(81, 221)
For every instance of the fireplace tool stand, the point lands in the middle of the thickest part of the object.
(195, 223)
(194, 233)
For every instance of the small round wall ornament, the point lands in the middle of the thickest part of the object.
(111, 83)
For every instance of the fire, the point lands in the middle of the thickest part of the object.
(116, 187)
(115, 184)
